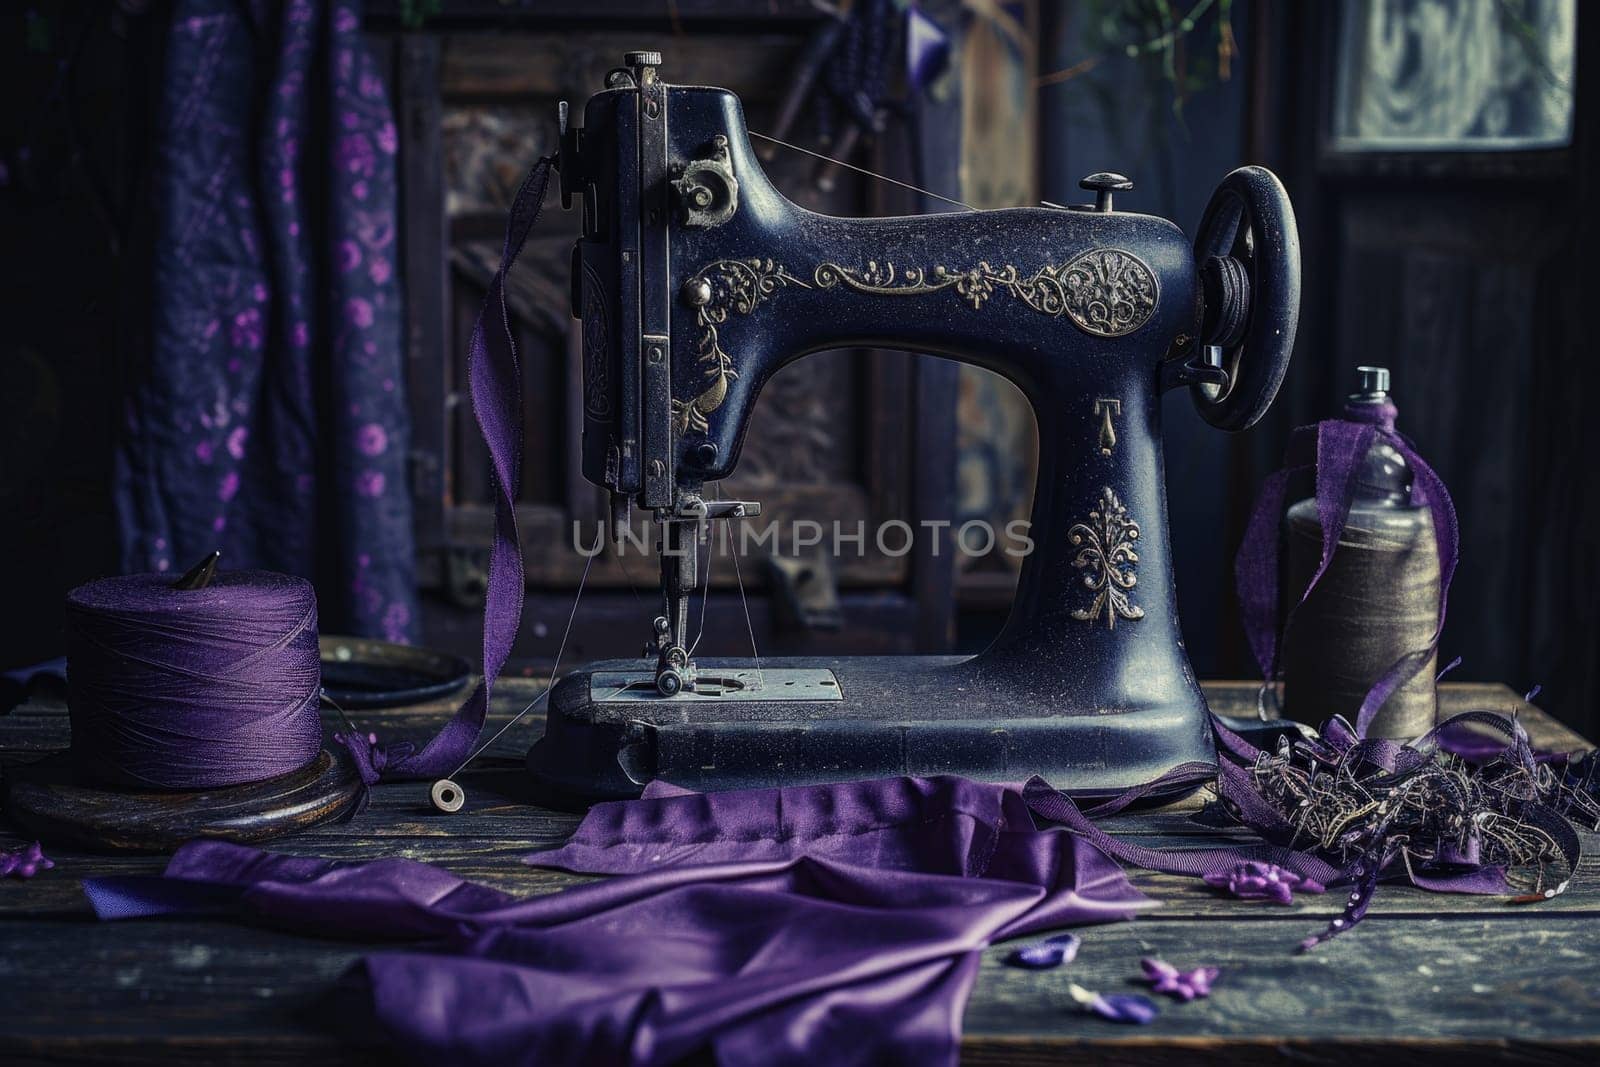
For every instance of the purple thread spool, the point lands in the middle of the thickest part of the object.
(173, 688)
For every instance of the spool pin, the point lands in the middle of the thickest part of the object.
(199, 576)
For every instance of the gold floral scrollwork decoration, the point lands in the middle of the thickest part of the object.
(727, 285)
(1108, 292)
(883, 279)
(1107, 556)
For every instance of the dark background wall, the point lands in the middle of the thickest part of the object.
(71, 153)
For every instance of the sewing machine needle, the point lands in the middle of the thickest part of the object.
(705, 594)
(761, 681)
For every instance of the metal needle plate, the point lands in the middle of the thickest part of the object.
(720, 684)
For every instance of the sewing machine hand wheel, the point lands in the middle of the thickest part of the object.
(1248, 254)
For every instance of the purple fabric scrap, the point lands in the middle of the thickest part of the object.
(927, 49)
(839, 924)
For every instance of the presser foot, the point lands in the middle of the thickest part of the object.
(675, 671)
(684, 528)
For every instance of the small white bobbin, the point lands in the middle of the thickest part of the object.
(446, 796)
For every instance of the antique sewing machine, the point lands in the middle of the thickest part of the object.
(696, 280)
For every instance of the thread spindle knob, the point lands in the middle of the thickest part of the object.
(446, 796)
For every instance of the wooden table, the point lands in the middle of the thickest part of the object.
(1427, 976)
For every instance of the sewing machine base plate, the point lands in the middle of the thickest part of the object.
(916, 715)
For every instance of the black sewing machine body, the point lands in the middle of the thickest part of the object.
(697, 280)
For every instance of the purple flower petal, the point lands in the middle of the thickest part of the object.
(24, 862)
(1125, 1008)
(1043, 955)
(1158, 970)
(1180, 985)
(1117, 1007)
(1253, 880)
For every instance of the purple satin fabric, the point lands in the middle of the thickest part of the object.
(1335, 449)
(838, 924)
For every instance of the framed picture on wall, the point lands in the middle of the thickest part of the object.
(1453, 75)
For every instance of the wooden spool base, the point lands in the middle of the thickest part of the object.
(49, 800)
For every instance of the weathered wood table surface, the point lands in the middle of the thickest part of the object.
(1428, 976)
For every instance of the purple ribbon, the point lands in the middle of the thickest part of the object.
(1335, 449)
(1458, 867)
(495, 375)
(1049, 803)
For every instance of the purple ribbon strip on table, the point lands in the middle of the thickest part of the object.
(1336, 449)
(838, 924)
(495, 375)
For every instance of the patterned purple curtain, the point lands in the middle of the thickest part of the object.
(266, 408)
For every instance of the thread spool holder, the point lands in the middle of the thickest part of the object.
(50, 801)
(53, 800)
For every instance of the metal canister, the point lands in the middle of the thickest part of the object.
(1378, 601)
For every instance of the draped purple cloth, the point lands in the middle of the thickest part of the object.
(265, 412)
(838, 924)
